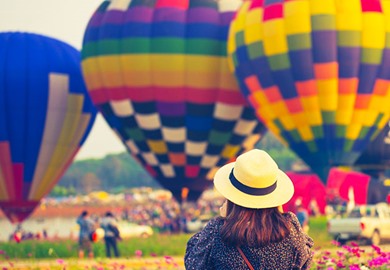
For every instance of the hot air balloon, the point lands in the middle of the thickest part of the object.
(45, 116)
(364, 188)
(308, 191)
(158, 72)
(376, 157)
(316, 72)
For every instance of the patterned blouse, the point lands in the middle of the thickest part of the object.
(206, 250)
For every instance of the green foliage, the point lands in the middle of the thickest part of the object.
(112, 173)
(61, 191)
(158, 244)
(319, 233)
(282, 154)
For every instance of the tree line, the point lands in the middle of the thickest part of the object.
(118, 172)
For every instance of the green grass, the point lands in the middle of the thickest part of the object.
(319, 233)
(156, 245)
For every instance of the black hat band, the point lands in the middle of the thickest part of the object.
(251, 190)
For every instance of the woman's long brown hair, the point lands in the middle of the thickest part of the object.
(253, 227)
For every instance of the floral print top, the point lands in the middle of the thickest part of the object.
(206, 250)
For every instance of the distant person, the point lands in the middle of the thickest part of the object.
(86, 228)
(44, 233)
(303, 217)
(252, 231)
(111, 234)
(18, 234)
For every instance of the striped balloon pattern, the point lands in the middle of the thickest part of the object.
(317, 73)
(45, 116)
(158, 72)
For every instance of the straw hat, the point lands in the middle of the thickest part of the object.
(254, 181)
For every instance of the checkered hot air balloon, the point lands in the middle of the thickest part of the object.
(317, 73)
(158, 72)
(45, 116)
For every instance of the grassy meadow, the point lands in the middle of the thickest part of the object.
(156, 245)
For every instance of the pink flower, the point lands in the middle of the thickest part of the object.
(138, 253)
(2, 252)
(60, 261)
(168, 259)
(348, 248)
(340, 264)
(376, 248)
(354, 267)
(336, 243)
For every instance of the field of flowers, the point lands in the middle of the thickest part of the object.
(352, 256)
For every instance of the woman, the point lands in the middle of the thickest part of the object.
(111, 234)
(87, 226)
(252, 232)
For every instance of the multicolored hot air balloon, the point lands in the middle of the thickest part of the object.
(317, 73)
(45, 116)
(158, 72)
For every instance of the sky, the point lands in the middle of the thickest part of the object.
(65, 20)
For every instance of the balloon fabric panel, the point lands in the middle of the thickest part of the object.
(376, 156)
(317, 73)
(45, 116)
(157, 71)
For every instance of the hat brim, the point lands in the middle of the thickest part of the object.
(281, 195)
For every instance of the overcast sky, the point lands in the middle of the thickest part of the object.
(65, 20)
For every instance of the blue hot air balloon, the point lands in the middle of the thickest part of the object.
(45, 116)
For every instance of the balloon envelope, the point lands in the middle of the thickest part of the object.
(317, 73)
(157, 70)
(376, 157)
(365, 188)
(45, 116)
(308, 189)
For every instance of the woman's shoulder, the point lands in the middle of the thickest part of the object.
(210, 232)
(213, 225)
(292, 218)
(297, 234)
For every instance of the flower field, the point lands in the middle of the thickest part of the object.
(353, 257)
